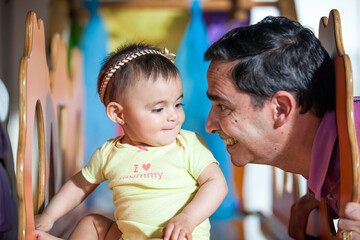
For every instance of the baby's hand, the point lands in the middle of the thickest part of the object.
(43, 222)
(178, 228)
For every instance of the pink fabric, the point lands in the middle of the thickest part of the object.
(324, 176)
(322, 151)
(357, 119)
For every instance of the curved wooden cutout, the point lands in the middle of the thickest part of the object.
(331, 37)
(43, 92)
(40, 193)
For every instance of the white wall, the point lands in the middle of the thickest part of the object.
(309, 13)
(349, 12)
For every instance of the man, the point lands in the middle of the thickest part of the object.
(272, 89)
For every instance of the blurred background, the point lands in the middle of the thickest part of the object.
(186, 28)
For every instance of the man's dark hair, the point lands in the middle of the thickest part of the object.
(279, 54)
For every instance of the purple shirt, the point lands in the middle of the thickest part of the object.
(7, 207)
(324, 176)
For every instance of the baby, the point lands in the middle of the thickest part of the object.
(165, 181)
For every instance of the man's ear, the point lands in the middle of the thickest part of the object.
(114, 111)
(284, 105)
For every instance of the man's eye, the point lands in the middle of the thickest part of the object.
(221, 107)
(157, 110)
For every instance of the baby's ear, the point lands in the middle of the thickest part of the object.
(114, 111)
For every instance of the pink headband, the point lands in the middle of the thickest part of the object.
(109, 73)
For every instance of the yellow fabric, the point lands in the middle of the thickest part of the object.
(162, 27)
(151, 185)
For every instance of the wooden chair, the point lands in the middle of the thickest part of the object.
(331, 37)
(50, 130)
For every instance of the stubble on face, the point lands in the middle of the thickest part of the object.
(242, 126)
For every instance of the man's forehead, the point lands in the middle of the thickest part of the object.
(219, 76)
(220, 92)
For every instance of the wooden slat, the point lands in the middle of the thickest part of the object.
(286, 191)
(214, 5)
(239, 8)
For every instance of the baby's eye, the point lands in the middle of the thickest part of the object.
(157, 110)
(179, 105)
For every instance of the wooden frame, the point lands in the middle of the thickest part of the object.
(42, 93)
(330, 34)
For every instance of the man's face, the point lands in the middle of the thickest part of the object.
(246, 130)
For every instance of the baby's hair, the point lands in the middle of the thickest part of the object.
(130, 64)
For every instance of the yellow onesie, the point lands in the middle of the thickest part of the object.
(151, 184)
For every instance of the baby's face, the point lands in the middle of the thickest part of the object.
(153, 112)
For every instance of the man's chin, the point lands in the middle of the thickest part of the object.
(235, 151)
(237, 162)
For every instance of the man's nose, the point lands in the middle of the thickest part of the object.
(211, 124)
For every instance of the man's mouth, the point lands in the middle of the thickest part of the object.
(230, 141)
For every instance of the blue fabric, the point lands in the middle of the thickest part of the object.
(98, 128)
(193, 68)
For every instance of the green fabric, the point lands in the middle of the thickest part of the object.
(76, 31)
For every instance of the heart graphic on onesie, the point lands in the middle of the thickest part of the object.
(146, 166)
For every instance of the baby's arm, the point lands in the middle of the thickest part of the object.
(71, 194)
(212, 191)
